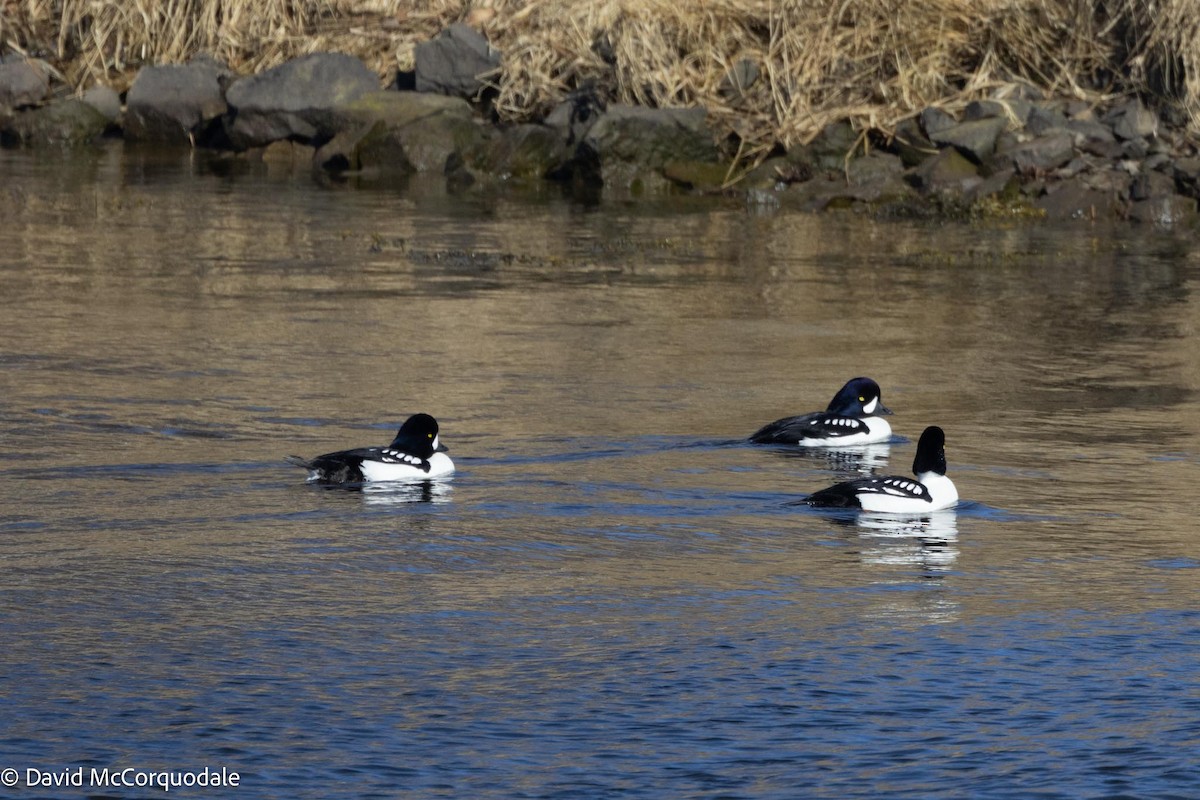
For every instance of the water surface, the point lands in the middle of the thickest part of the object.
(613, 597)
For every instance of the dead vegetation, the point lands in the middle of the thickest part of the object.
(812, 61)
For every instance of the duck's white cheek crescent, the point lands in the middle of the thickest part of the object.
(869, 408)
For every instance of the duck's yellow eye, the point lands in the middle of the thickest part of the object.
(862, 399)
(430, 435)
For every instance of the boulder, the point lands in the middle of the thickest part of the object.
(1171, 209)
(740, 77)
(23, 82)
(830, 149)
(975, 139)
(296, 100)
(454, 62)
(401, 132)
(574, 116)
(1148, 185)
(1045, 117)
(1186, 172)
(1132, 120)
(630, 145)
(523, 151)
(175, 102)
(65, 122)
(1074, 199)
(1037, 155)
(935, 120)
(949, 172)
(911, 143)
(105, 100)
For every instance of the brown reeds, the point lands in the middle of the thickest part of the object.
(874, 62)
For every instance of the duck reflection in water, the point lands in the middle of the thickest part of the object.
(394, 494)
(863, 459)
(929, 542)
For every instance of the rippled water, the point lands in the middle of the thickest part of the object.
(613, 597)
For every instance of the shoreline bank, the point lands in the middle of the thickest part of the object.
(1012, 149)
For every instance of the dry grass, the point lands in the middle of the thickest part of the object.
(872, 61)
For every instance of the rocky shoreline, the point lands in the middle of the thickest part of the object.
(1020, 153)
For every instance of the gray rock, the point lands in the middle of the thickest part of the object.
(975, 139)
(1011, 108)
(632, 144)
(454, 61)
(744, 74)
(1186, 172)
(174, 102)
(874, 168)
(1042, 154)
(296, 100)
(1132, 120)
(574, 117)
(390, 132)
(1073, 199)
(1002, 185)
(947, 172)
(105, 100)
(1170, 209)
(934, 120)
(23, 82)
(523, 151)
(830, 149)
(1045, 117)
(911, 143)
(1151, 184)
(1135, 149)
(67, 122)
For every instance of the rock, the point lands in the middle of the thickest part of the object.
(1136, 149)
(744, 74)
(1169, 209)
(453, 62)
(574, 117)
(1042, 154)
(874, 168)
(1151, 184)
(295, 100)
(402, 132)
(975, 139)
(23, 82)
(175, 102)
(630, 145)
(702, 176)
(1012, 108)
(105, 100)
(1073, 199)
(1186, 172)
(1043, 118)
(65, 122)
(947, 172)
(1115, 182)
(1003, 185)
(935, 120)
(1132, 120)
(523, 151)
(832, 147)
(911, 143)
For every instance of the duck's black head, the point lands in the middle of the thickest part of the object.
(418, 436)
(860, 397)
(931, 452)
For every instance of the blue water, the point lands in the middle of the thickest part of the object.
(613, 597)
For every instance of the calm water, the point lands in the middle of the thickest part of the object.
(612, 598)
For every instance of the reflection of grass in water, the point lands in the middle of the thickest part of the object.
(812, 63)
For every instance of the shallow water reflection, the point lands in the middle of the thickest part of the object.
(613, 596)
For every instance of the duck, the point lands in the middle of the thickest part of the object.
(854, 416)
(897, 494)
(416, 454)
